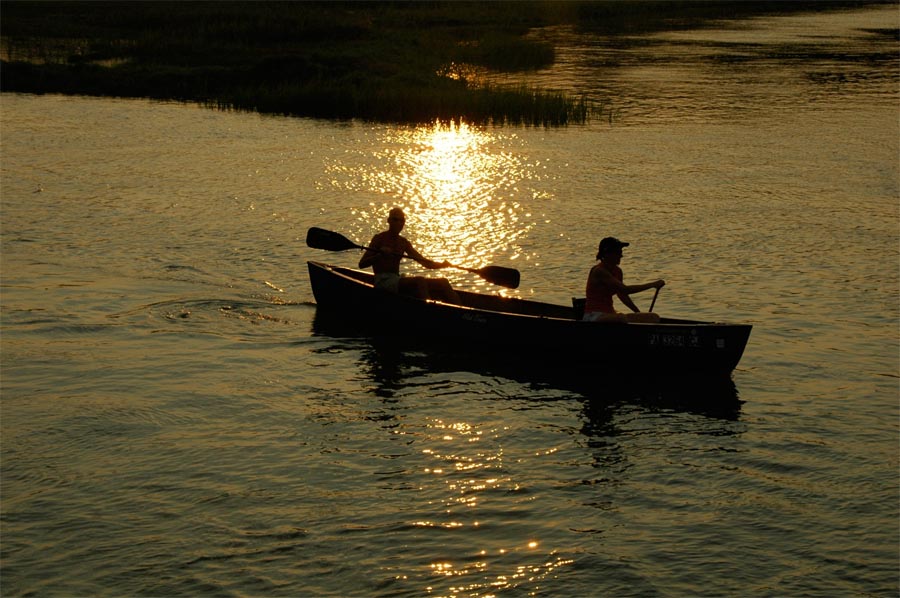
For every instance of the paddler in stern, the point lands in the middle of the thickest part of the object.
(607, 280)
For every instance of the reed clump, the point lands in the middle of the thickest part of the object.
(413, 104)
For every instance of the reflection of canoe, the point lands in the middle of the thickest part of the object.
(393, 363)
(529, 330)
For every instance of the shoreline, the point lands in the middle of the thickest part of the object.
(375, 61)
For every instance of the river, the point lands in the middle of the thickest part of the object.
(175, 423)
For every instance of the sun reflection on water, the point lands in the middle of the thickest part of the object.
(471, 473)
(460, 185)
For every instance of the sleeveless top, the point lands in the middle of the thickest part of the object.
(599, 297)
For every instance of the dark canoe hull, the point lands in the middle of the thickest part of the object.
(530, 331)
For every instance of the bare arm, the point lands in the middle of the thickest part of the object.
(626, 299)
(430, 264)
(384, 254)
(368, 258)
(623, 290)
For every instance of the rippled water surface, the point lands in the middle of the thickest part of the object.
(177, 421)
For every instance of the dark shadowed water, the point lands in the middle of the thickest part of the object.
(177, 421)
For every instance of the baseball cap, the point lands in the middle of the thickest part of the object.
(611, 244)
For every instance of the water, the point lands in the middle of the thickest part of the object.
(175, 421)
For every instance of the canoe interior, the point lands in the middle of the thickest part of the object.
(501, 304)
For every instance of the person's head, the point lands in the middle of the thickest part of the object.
(610, 249)
(396, 219)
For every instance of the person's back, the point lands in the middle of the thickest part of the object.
(598, 293)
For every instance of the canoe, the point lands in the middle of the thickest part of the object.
(530, 331)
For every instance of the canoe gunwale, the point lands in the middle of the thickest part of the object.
(365, 279)
(539, 331)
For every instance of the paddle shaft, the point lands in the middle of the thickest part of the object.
(655, 295)
(348, 244)
(449, 265)
(410, 257)
(325, 239)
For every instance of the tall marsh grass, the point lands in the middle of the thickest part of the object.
(413, 104)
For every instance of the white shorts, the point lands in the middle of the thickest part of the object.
(596, 316)
(388, 281)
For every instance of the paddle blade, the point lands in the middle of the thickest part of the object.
(319, 238)
(504, 277)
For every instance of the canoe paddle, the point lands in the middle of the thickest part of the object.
(655, 295)
(319, 238)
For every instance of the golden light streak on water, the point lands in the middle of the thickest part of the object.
(534, 571)
(458, 184)
(469, 475)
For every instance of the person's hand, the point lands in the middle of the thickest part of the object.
(659, 283)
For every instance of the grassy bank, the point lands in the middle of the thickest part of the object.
(378, 61)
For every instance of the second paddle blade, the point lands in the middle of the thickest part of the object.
(504, 277)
